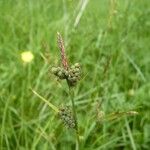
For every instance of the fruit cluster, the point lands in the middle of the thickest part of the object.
(72, 74)
(61, 73)
(67, 117)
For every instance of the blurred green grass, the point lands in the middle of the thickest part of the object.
(111, 41)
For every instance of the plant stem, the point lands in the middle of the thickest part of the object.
(71, 93)
(46, 101)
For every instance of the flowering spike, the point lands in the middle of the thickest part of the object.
(62, 50)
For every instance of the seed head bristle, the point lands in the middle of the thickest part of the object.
(62, 51)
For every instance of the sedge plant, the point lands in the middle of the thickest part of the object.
(72, 75)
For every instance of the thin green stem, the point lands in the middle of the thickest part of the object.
(46, 101)
(71, 93)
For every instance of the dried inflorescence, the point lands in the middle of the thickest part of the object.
(62, 51)
(66, 116)
(72, 74)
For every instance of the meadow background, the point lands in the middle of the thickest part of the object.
(109, 38)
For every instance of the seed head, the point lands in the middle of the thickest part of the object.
(54, 70)
(59, 72)
(74, 74)
(77, 65)
(66, 116)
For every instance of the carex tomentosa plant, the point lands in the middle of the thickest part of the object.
(72, 74)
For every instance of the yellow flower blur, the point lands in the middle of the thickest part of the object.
(27, 56)
(131, 92)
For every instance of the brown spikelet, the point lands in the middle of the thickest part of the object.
(62, 50)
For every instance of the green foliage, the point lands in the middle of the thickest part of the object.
(110, 41)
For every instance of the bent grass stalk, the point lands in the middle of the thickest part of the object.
(46, 101)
